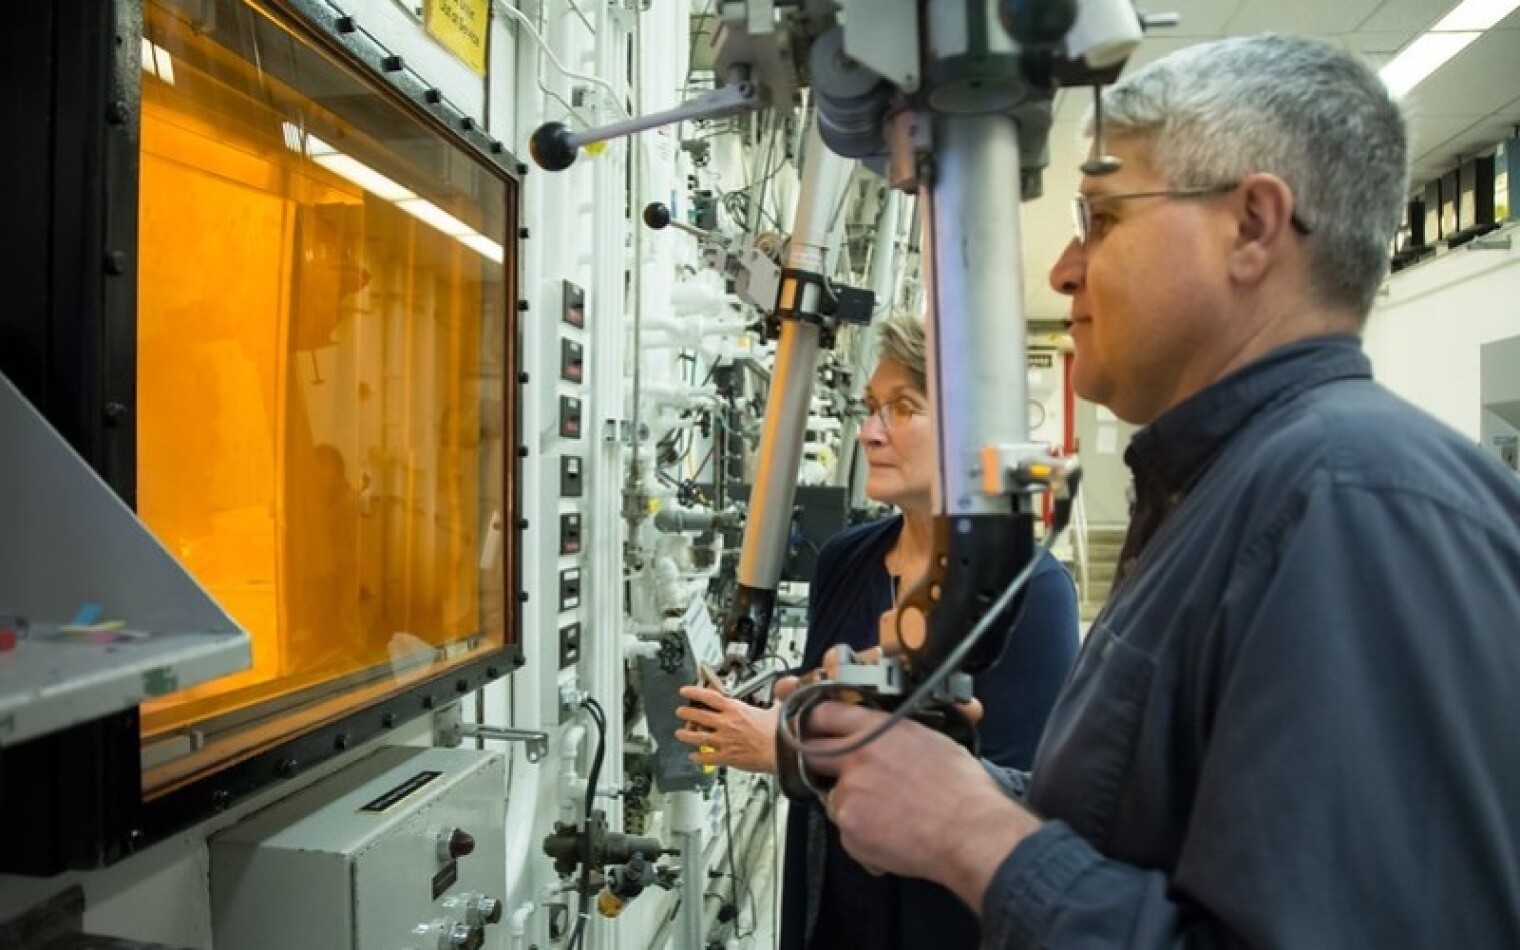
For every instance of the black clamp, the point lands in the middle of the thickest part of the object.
(836, 304)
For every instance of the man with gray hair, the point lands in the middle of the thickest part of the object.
(1296, 722)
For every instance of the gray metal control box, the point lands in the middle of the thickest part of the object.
(403, 850)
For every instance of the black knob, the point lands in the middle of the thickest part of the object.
(1038, 22)
(656, 215)
(459, 843)
(551, 148)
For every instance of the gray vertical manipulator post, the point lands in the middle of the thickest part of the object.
(986, 125)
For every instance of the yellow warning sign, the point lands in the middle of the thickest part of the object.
(462, 27)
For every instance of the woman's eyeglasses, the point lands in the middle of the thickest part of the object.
(892, 413)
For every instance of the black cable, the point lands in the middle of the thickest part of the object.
(702, 465)
(733, 868)
(598, 716)
(796, 706)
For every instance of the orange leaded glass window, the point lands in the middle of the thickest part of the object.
(321, 359)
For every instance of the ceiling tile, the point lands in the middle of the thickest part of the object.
(1160, 43)
(1378, 47)
(1405, 16)
(1432, 133)
(1483, 78)
(1198, 17)
(1309, 17)
(1477, 137)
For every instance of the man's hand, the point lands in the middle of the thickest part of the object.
(727, 731)
(972, 709)
(915, 803)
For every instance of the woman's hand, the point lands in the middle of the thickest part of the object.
(727, 731)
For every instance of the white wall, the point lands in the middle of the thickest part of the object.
(1426, 333)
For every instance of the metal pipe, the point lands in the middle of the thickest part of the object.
(825, 176)
(976, 318)
(781, 440)
(883, 274)
(739, 96)
(687, 815)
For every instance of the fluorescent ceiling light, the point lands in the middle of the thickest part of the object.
(350, 169)
(1475, 15)
(314, 147)
(156, 61)
(1423, 57)
(1453, 33)
(346, 166)
(485, 247)
(165, 64)
(429, 213)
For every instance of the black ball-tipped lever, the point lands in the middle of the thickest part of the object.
(656, 216)
(551, 147)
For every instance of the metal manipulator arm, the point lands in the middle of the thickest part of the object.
(799, 307)
(554, 146)
(969, 136)
(961, 117)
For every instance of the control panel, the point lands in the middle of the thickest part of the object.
(573, 421)
(403, 850)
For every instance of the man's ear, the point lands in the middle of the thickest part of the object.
(1264, 225)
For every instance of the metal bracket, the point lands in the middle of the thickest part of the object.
(537, 743)
(451, 731)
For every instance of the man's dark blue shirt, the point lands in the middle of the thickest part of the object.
(1296, 724)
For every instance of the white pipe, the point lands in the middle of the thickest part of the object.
(572, 787)
(680, 395)
(527, 25)
(517, 924)
(695, 297)
(634, 648)
(686, 819)
(603, 655)
(531, 787)
(697, 326)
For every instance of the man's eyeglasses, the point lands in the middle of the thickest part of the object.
(1089, 226)
(892, 413)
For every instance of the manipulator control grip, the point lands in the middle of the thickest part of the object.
(746, 633)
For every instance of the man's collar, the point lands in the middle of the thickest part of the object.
(1173, 449)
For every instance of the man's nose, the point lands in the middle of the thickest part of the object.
(1070, 269)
